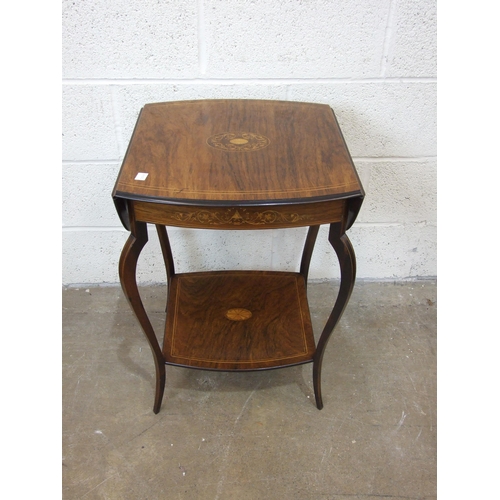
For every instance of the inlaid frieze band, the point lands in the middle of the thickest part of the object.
(239, 217)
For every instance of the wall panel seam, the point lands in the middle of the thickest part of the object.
(245, 81)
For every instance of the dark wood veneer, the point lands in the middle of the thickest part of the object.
(277, 333)
(240, 217)
(306, 157)
(237, 164)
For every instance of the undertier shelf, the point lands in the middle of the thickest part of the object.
(238, 320)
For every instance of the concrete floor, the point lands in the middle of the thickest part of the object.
(256, 435)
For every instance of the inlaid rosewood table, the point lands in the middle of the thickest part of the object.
(237, 164)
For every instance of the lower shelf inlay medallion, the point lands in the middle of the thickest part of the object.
(238, 314)
(238, 320)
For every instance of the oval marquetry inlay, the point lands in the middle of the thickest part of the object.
(238, 314)
(238, 141)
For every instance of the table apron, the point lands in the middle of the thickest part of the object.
(239, 217)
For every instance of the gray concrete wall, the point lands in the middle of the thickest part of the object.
(372, 61)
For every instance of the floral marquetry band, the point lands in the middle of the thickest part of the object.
(239, 217)
(238, 141)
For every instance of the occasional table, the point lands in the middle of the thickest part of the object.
(237, 165)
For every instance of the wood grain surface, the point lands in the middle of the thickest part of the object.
(244, 217)
(213, 151)
(237, 164)
(268, 325)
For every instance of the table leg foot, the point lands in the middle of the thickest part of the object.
(160, 387)
(347, 261)
(127, 271)
(317, 384)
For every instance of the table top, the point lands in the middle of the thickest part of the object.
(237, 152)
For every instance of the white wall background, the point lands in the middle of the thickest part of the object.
(372, 61)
